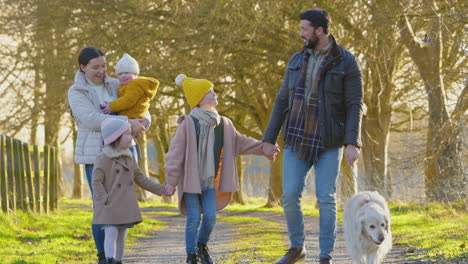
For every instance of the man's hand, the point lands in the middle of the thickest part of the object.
(352, 154)
(270, 150)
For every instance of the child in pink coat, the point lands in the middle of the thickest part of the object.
(201, 163)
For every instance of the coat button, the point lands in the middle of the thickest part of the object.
(118, 185)
(117, 171)
(131, 183)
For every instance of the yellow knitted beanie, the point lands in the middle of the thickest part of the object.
(194, 89)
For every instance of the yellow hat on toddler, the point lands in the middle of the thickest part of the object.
(194, 89)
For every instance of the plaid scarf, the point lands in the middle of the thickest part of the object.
(303, 132)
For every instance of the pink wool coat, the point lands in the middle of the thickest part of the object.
(181, 162)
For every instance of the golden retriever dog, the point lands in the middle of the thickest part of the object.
(366, 223)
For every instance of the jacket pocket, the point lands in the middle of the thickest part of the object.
(334, 81)
(102, 199)
(82, 137)
(338, 131)
(293, 78)
(334, 136)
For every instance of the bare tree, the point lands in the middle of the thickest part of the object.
(437, 56)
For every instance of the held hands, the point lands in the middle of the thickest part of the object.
(352, 154)
(270, 150)
(169, 190)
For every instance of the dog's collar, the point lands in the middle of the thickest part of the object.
(364, 203)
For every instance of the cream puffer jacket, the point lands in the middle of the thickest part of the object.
(84, 105)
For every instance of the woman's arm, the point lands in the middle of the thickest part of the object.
(84, 111)
(137, 126)
(146, 120)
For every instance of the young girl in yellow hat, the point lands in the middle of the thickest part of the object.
(201, 164)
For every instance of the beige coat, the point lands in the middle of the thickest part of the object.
(181, 162)
(114, 177)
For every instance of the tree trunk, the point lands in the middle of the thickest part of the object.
(77, 170)
(376, 127)
(143, 164)
(444, 179)
(238, 196)
(382, 62)
(77, 181)
(49, 40)
(36, 110)
(161, 154)
(275, 189)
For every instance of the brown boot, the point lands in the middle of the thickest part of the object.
(292, 256)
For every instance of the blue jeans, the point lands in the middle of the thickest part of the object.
(294, 178)
(207, 199)
(98, 232)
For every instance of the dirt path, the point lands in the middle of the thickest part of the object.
(168, 245)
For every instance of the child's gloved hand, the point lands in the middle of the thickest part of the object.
(106, 108)
(169, 190)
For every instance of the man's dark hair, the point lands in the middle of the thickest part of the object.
(88, 54)
(317, 18)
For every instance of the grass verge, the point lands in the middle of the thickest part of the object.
(437, 232)
(63, 236)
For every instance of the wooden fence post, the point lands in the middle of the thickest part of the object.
(10, 176)
(16, 173)
(29, 182)
(37, 178)
(3, 176)
(45, 183)
(22, 175)
(52, 179)
(56, 182)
